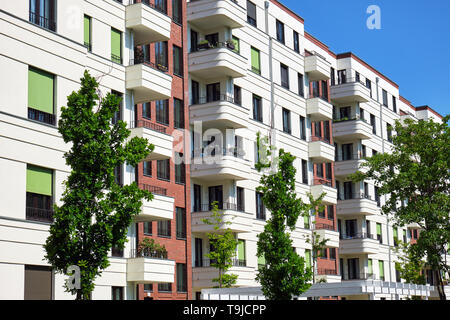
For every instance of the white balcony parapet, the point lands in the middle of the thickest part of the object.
(320, 151)
(149, 82)
(161, 207)
(350, 91)
(155, 134)
(318, 109)
(359, 244)
(217, 62)
(323, 186)
(358, 204)
(149, 24)
(351, 130)
(215, 14)
(150, 268)
(327, 232)
(317, 67)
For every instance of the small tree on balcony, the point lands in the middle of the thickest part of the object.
(223, 244)
(285, 273)
(96, 211)
(416, 177)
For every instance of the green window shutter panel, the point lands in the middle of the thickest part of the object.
(87, 30)
(116, 37)
(40, 90)
(306, 222)
(308, 258)
(236, 44)
(378, 228)
(39, 180)
(255, 60)
(381, 266)
(395, 233)
(370, 266)
(241, 250)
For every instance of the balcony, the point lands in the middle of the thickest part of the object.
(357, 204)
(203, 273)
(350, 91)
(150, 268)
(239, 221)
(351, 130)
(329, 233)
(323, 186)
(226, 166)
(148, 23)
(358, 244)
(222, 113)
(319, 110)
(329, 275)
(344, 166)
(317, 68)
(155, 134)
(358, 276)
(216, 14)
(217, 61)
(320, 151)
(160, 208)
(148, 81)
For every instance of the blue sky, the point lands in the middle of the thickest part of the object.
(412, 48)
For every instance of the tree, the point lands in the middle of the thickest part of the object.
(285, 273)
(223, 245)
(96, 211)
(318, 245)
(416, 178)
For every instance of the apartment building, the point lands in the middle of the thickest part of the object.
(135, 49)
(253, 68)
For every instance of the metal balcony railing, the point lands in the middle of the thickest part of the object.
(323, 139)
(206, 263)
(352, 196)
(327, 272)
(41, 116)
(141, 59)
(209, 46)
(357, 276)
(160, 8)
(153, 189)
(41, 21)
(148, 125)
(361, 235)
(221, 206)
(41, 215)
(323, 226)
(148, 253)
(215, 98)
(349, 157)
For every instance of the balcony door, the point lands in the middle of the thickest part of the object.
(348, 190)
(353, 268)
(213, 92)
(350, 228)
(342, 76)
(216, 194)
(347, 151)
(198, 252)
(197, 198)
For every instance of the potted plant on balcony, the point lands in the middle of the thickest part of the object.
(150, 248)
(230, 45)
(203, 45)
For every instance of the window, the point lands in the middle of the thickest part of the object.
(163, 169)
(241, 254)
(161, 5)
(116, 46)
(330, 212)
(255, 59)
(43, 13)
(251, 13)
(284, 76)
(148, 228)
(306, 223)
(260, 208)
(148, 287)
(377, 195)
(198, 258)
(164, 287)
(357, 76)
(236, 44)
(41, 96)
(296, 42)
(333, 76)
(319, 170)
(161, 55)
(342, 76)
(164, 228)
(347, 152)
(146, 110)
(117, 252)
(301, 85)
(308, 260)
(178, 113)
(240, 199)
(394, 104)
(370, 267)
(325, 90)
(395, 230)
(280, 31)
(180, 169)
(197, 197)
(213, 39)
(369, 85)
(257, 108)
(194, 41)
(181, 223)
(237, 95)
(162, 111)
(118, 114)
(305, 171)
(323, 253)
(327, 131)
(39, 194)
(181, 277)
(381, 267)
(322, 213)
(195, 90)
(328, 172)
(87, 32)
(147, 165)
(141, 54)
(177, 11)
(379, 233)
(318, 129)
(345, 113)
(385, 98)
(118, 175)
(213, 92)
(389, 132)
(117, 293)
(373, 123)
(286, 121)
(302, 128)
(315, 89)
(178, 61)
(38, 283)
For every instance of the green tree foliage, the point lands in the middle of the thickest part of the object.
(416, 177)
(95, 212)
(223, 243)
(285, 273)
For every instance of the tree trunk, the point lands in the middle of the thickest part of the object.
(440, 285)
